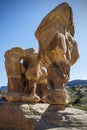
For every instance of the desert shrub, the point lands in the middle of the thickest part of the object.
(79, 93)
(77, 101)
(73, 88)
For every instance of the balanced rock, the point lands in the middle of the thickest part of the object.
(58, 51)
(57, 20)
(57, 47)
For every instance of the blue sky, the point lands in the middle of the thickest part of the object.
(20, 18)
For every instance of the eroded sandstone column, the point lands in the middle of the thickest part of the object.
(58, 51)
(32, 74)
(42, 88)
(27, 81)
(14, 70)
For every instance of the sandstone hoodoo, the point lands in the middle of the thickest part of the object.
(42, 76)
(58, 51)
(26, 79)
(37, 93)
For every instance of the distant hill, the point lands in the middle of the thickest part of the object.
(3, 88)
(77, 83)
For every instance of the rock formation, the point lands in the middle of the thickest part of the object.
(36, 82)
(68, 119)
(42, 87)
(32, 73)
(39, 116)
(20, 116)
(27, 79)
(58, 51)
(14, 69)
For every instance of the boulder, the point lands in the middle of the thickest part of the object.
(68, 119)
(26, 116)
(20, 115)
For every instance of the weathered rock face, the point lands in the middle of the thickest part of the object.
(58, 75)
(14, 69)
(32, 73)
(56, 49)
(57, 52)
(42, 88)
(70, 118)
(20, 116)
(25, 116)
(24, 77)
(57, 20)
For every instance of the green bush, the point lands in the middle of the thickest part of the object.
(73, 88)
(77, 101)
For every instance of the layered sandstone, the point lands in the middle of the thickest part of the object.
(58, 51)
(27, 81)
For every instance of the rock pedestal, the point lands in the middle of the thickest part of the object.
(20, 116)
(58, 75)
(26, 116)
(69, 119)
